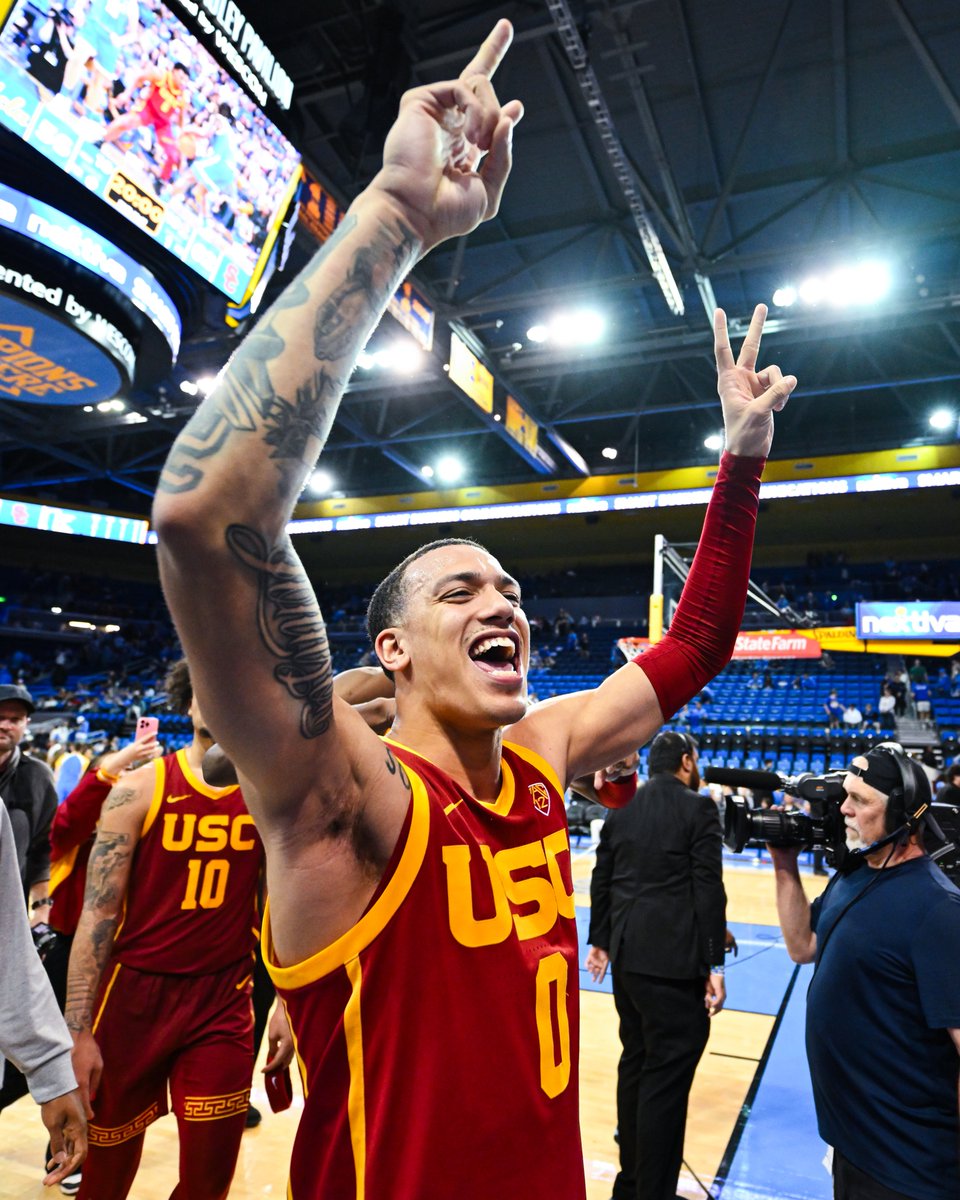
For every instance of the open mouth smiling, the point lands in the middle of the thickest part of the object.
(497, 654)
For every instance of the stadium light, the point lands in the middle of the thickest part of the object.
(56, 610)
(426, 471)
(609, 452)
(942, 418)
(188, 387)
(320, 482)
(583, 327)
(844, 287)
(714, 441)
(449, 469)
(406, 358)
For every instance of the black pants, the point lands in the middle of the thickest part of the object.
(850, 1183)
(56, 959)
(663, 1028)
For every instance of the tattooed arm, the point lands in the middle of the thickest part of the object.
(244, 608)
(108, 876)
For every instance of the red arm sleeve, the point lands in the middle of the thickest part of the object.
(704, 629)
(615, 793)
(76, 818)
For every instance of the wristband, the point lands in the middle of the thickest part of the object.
(41, 903)
(106, 777)
(615, 793)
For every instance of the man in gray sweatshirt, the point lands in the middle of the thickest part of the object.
(33, 1034)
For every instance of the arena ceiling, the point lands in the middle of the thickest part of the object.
(674, 154)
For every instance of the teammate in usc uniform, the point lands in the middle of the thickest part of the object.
(420, 923)
(160, 972)
(162, 106)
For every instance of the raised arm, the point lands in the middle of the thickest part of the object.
(108, 876)
(244, 609)
(590, 729)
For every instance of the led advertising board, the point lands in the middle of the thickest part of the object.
(122, 96)
(936, 620)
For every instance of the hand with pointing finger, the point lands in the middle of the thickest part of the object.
(749, 397)
(447, 157)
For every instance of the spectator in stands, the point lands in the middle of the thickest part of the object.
(887, 706)
(871, 719)
(949, 792)
(918, 672)
(852, 717)
(834, 710)
(921, 697)
(941, 686)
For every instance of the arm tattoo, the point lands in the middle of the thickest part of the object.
(119, 796)
(290, 625)
(245, 400)
(88, 958)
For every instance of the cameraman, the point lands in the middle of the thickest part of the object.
(883, 1008)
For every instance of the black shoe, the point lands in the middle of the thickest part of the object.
(253, 1118)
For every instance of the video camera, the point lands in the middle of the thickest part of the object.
(822, 829)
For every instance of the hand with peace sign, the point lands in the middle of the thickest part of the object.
(448, 155)
(749, 397)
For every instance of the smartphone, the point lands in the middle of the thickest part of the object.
(279, 1089)
(147, 728)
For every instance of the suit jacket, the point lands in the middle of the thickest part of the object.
(657, 900)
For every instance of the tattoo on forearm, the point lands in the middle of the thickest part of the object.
(91, 953)
(245, 400)
(290, 625)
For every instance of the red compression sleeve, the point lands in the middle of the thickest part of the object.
(615, 793)
(704, 628)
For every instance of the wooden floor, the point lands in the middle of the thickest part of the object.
(736, 1044)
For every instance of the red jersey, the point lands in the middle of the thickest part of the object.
(71, 840)
(191, 906)
(165, 100)
(438, 1038)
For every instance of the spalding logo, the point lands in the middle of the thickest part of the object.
(540, 796)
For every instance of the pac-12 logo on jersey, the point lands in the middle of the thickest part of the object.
(540, 795)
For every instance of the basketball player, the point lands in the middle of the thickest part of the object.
(162, 107)
(421, 918)
(160, 973)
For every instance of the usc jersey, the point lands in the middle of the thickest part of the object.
(192, 905)
(438, 1038)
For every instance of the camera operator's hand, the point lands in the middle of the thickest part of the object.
(715, 994)
(596, 963)
(749, 397)
(785, 857)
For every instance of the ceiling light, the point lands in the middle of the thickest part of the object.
(497, 417)
(320, 482)
(609, 452)
(426, 471)
(449, 469)
(136, 418)
(714, 441)
(581, 328)
(88, 408)
(189, 387)
(104, 406)
(538, 333)
(205, 384)
(56, 610)
(811, 290)
(111, 629)
(785, 296)
(942, 418)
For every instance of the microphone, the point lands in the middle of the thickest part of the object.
(767, 780)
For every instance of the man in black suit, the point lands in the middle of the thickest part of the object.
(658, 914)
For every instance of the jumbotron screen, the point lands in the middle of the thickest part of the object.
(120, 94)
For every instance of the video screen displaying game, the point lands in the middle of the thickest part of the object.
(122, 96)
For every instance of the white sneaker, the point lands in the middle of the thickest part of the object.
(71, 1185)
